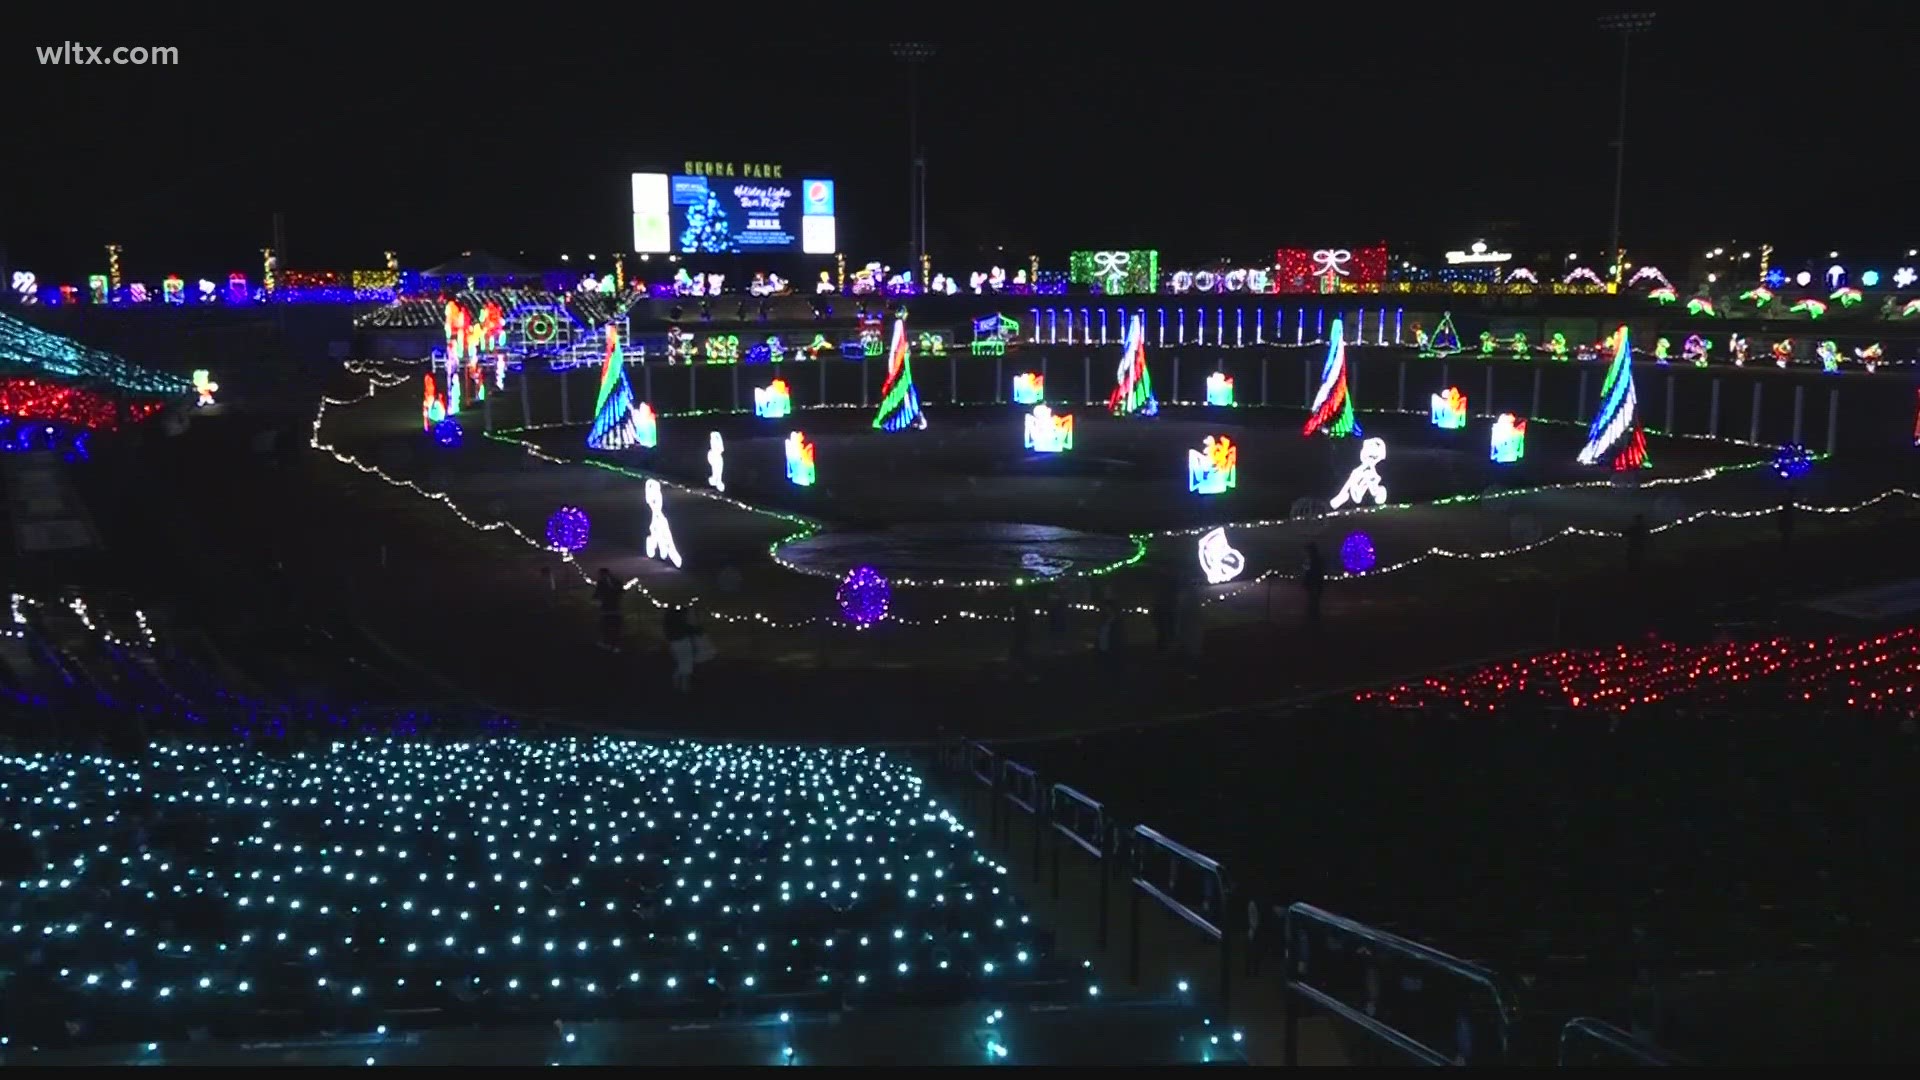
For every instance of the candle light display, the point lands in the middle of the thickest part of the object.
(1219, 389)
(1447, 410)
(1215, 467)
(1046, 433)
(1029, 388)
(800, 462)
(772, 401)
(1509, 440)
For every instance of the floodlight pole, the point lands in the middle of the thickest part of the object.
(1626, 25)
(913, 54)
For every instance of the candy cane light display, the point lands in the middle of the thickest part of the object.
(1046, 433)
(1364, 480)
(1215, 467)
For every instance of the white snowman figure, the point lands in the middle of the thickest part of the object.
(1365, 479)
(716, 461)
(659, 532)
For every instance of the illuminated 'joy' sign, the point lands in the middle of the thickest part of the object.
(1215, 467)
(1509, 439)
(799, 460)
(1047, 433)
(772, 401)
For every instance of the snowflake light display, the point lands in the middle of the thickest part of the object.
(1215, 467)
(1364, 480)
(1046, 433)
(1509, 440)
(799, 460)
(1447, 410)
(864, 596)
(1029, 388)
(1220, 561)
(448, 432)
(1356, 553)
(568, 528)
(772, 401)
(1219, 389)
(368, 879)
(660, 543)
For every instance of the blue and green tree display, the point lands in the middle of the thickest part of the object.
(707, 228)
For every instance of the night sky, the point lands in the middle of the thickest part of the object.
(1431, 129)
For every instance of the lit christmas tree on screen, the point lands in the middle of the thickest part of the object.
(1616, 427)
(613, 427)
(1332, 410)
(707, 229)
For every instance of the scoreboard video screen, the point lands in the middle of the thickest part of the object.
(732, 208)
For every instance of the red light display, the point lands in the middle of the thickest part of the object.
(1312, 270)
(31, 399)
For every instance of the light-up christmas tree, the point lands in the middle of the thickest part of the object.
(707, 229)
(1133, 389)
(613, 427)
(899, 401)
(1445, 340)
(1616, 427)
(1332, 410)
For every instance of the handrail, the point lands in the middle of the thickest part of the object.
(1365, 1014)
(977, 754)
(1026, 797)
(1615, 1046)
(1095, 847)
(1205, 864)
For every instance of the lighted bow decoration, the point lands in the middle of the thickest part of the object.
(1112, 268)
(1331, 262)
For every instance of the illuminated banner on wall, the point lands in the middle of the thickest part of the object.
(1117, 273)
(729, 208)
(1310, 270)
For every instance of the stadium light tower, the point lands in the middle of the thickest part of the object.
(1626, 24)
(913, 54)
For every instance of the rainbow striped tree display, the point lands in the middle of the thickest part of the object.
(613, 427)
(1616, 427)
(1133, 392)
(899, 401)
(1332, 410)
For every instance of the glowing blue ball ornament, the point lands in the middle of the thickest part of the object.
(864, 596)
(1791, 462)
(448, 433)
(568, 528)
(1356, 553)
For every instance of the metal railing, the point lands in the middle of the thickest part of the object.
(1435, 1008)
(1585, 1041)
(1188, 884)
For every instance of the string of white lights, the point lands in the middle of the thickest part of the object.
(375, 385)
(19, 604)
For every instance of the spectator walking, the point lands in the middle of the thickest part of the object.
(609, 594)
